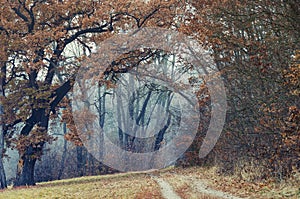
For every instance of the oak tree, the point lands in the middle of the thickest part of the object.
(35, 37)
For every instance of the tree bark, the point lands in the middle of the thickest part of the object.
(25, 168)
(3, 183)
(27, 159)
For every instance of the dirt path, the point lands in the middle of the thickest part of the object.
(197, 185)
(166, 189)
(201, 186)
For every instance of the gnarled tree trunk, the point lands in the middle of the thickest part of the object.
(28, 157)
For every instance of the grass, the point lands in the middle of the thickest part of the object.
(231, 184)
(141, 185)
(110, 186)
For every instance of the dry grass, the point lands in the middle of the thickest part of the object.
(185, 190)
(113, 186)
(178, 178)
(141, 185)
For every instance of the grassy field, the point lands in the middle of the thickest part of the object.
(141, 185)
(113, 186)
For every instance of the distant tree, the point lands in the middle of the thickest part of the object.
(3, 57)
(2, 133)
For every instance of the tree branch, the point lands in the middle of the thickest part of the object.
(21, 15)
(60, 93)
(88, 30)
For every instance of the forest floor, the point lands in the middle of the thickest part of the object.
(173, 183)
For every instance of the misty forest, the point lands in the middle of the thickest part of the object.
(134, 95)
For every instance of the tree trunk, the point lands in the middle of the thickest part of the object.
(161, 134)
(64, 155)
(28, 157)
(3, 183)
(80, 160)
(25, 168)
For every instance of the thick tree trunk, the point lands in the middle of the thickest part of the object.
(27, 158)
(25, 168)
